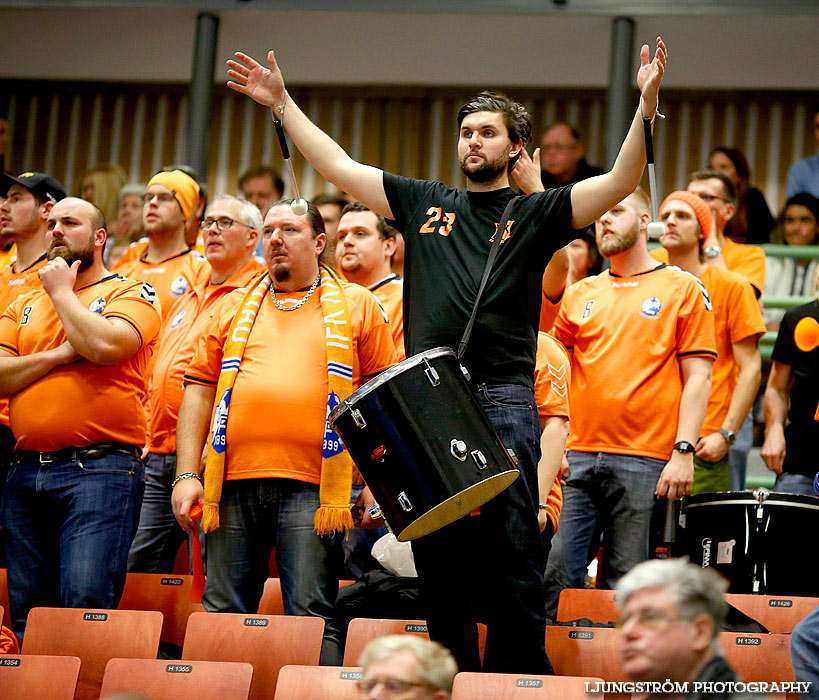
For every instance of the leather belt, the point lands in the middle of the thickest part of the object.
(96, 450)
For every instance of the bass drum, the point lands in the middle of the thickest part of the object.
(762, 542)
(423, 444)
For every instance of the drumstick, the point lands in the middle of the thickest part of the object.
(655, 228)
(299, 205)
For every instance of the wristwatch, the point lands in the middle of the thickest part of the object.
(712, 251)
(730, 437)
(684, 447)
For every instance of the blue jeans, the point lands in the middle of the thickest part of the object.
(257, 516)
(788, 482)
(158, 536)
(70, 524)
(489, 567)
(805, 653)
(738, 453)
(608, 493)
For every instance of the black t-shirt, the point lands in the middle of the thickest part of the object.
(800, 456)
(448, 234)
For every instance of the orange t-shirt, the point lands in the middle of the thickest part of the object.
(747, 260)
(390, 292)
(548, 311)
(278, 407)
(736, 317)
(81, 403)
(627, 336)
(171, 277)
(133, 252)
(552, 375)
(12, 285)
(8, 256)
(187, 320)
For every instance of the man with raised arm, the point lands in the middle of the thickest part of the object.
(448, 236)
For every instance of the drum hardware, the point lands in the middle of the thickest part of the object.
(375, 511)
(358, 419)
(458, 449)
(480, 460)
(432, 375)
(404, 502)
(378, 453)
(466, 373)
(512, 455)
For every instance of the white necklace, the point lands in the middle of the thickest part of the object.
(303, 299)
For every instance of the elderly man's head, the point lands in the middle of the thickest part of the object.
(671, 613)
(406, 666)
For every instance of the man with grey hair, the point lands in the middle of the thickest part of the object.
(408, 666)
(231, 228)
(670, 614)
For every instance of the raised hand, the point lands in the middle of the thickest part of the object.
(651, 73)
(527, 172)
(264, 85)
(56, 276)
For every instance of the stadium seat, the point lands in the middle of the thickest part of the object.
(586, 652)
(513, 686)
(169, 594)
(95, 636)
(364, 629)
(272, 603)
(595, 604)
(160, 679)
(4, 598)
(325, 682)
(779, 614)
(268, 642)
(758, 657)
(36, 677)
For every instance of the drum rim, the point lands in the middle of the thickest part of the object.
(384, 377)
(747, 498)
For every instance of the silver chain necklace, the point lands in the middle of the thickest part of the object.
(303, 299)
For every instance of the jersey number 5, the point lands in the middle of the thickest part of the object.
(435, 215)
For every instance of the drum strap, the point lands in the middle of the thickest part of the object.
(493, 253)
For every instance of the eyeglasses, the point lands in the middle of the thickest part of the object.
(653, 619)
(223, 223)
(392, 686)
(708, 198)
(161, 197)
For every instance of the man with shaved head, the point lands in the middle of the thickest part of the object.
(78, 347)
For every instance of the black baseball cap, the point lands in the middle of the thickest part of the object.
(44, 186)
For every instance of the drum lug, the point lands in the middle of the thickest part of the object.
(458, 449)
(466, 374)
(480, 460)
(404, 502)
(432, 375)
(512, 456)
(358, 419)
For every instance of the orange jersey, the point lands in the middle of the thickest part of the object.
(12, 285)
(552, 375)
(736, 317)
(8, 256)
(81, 403)
(171, 277)
(548, 312)
(747, 260)
(133, 252)
(390, 292)
(187, 320)
(278, 407)
(627, 336)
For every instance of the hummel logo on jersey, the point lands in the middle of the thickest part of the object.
(148, 292)
(617, 285)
